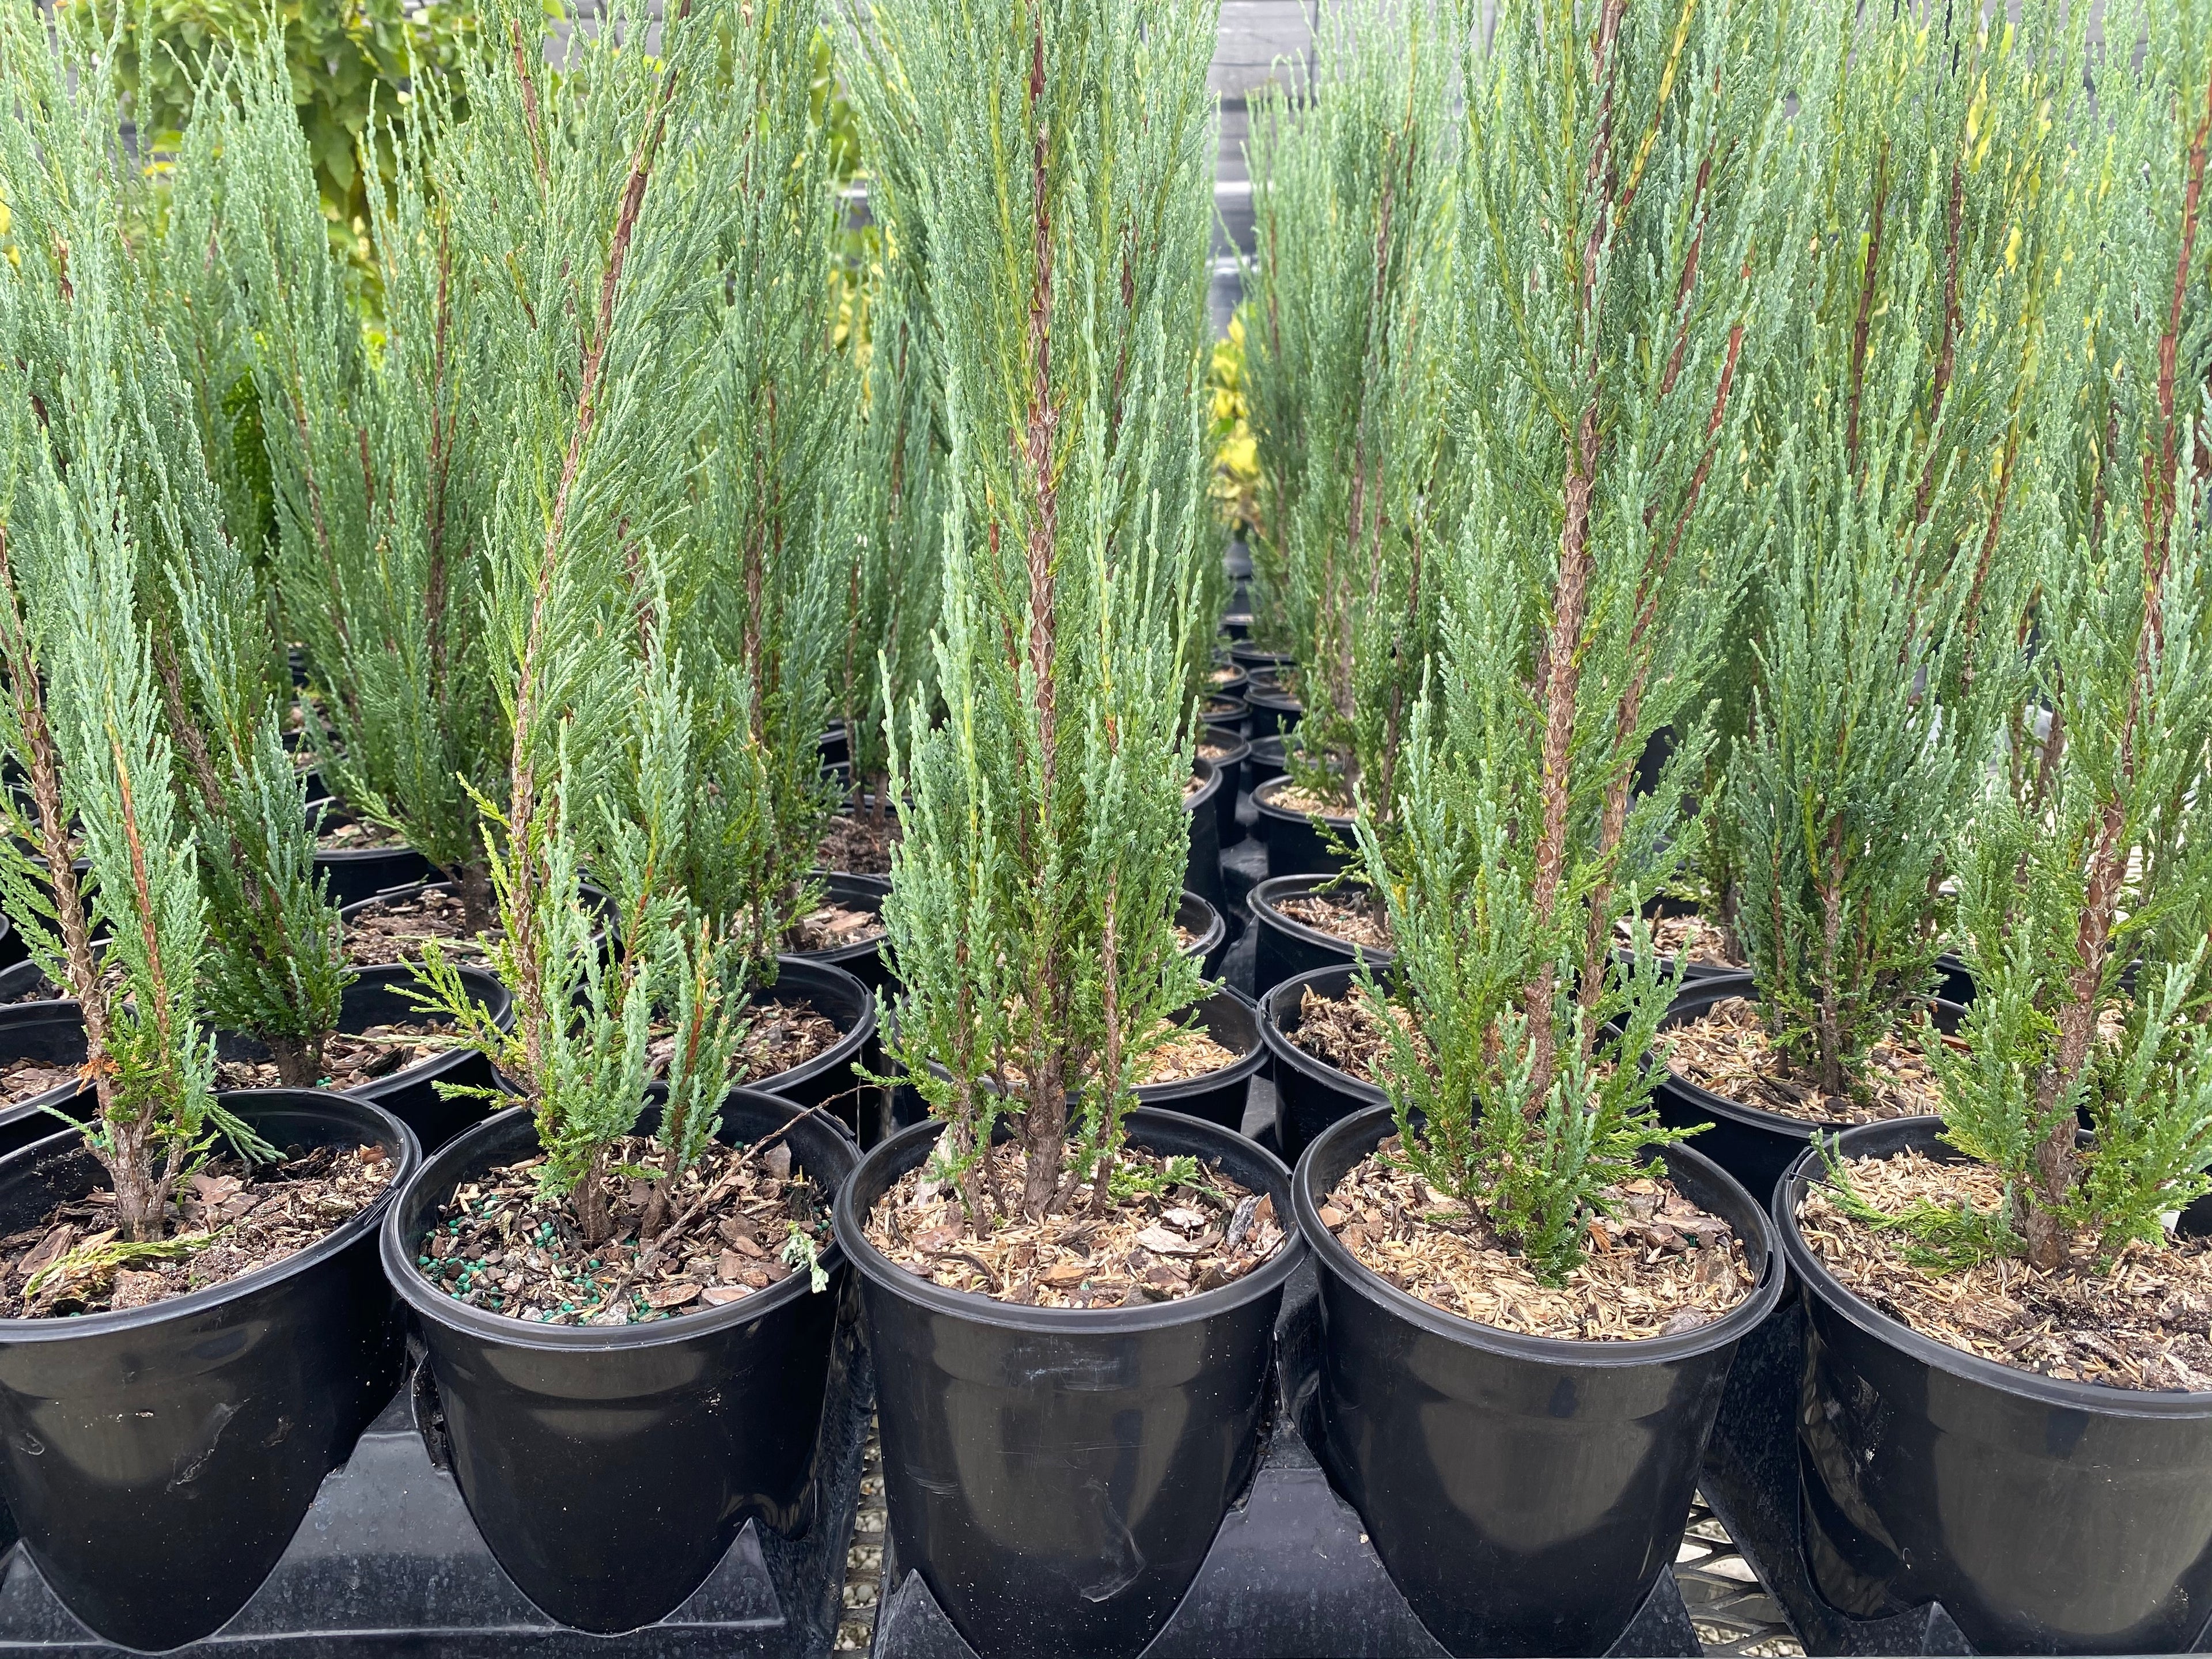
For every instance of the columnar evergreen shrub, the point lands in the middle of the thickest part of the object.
(1623, 278)
(1056, 173)
(1348, 309)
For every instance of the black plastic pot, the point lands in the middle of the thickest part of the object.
(835, 745)
(158, 1459)
(1228, 712)
(1202, 871)
(1228, 830)
(2046, 1516)
(1751, 1143)
(52, 1033)
(863, 959)
(1286, 947)
(1296, 843)
(609, 1467)
(1954, 980)
(1228, 681)
(1663, 907)
(1208, 929)
(377, 997)
(1309, 1093)
(1057, 1476)
(1248, 657)
(1265, 762)
(12, 948)
(1526, 1492)
(1233, 1021)
(1274, 710)
(356, 873)
(827, 1081)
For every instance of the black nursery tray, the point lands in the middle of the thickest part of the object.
(1290, 1571)
(388, 1562)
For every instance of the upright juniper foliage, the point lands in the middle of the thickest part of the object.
(1622, 277)
(1889, 632)
(1056, 172)
(1348, 291)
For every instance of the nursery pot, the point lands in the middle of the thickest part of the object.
(1202, 872)
(827, 1081)
(1751, 1143)
(52, 1033)
(2046, 1516)
(358, 872)
(377, 996)
(158, 1459)
(610, 1466)
(1208, 930)
(835, 744)
(1524, 1491)
(1285, 946)
(1230, 765)
(1232, 1020)
(1659, 908)
(12, 948)
(864, 958)
(1228, 680)
(1056, 1476)
(1274, 710)
(1265, 762)
(1230, 713)
(1954, 981)
(1248, 657)
(1309, 1094)
(1296, 842)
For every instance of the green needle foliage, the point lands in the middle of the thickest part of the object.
(1889, 647)
(1625, 269)
(81, 397)
(1053, 163)
(2095, 862)
(1348, 300)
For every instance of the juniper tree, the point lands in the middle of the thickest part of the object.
(1348, 294)
(1055, 168)
(1889, 639)
(2084, 888)
(1624, 263)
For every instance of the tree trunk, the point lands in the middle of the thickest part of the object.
(479, 905)
(299, 1061)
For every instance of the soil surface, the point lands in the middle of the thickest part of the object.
(833, 926)
(1659, 1265)
(1727, 1050)
(22, 1078)
(859, 844)
(497, 1246)
(349, 835)
(786, 1033)
(1222, 675)
(390, 930)
(1347, 1032)
(1185, 1055)
(1183, 1232)
(1216, 752)
(1692, 938)
(349, 1058)
(2147, 1323)
(233, 1218)
(1289, 798)
(1351, 920)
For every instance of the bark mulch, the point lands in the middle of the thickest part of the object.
(1351, 920)
(2144, 1323)
(1287, 797)
(859, 844)
(346, 835)
(22, 1078)
(1187, 1055)
(831, 926)
(1216, 752)
(391, 931)
(785, 1033)
(1347, 1032)
(349, 1058)
(233, 1219)
(733, 1217)
(1727, 1050)
(1658, 1267)
(1184, 1230)
(1690, 938)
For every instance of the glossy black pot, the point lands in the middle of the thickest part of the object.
(1285, 946)
(835, 745)
(610, 1466)
(12, 948)
(1297, 844)
(1228, 680)
(827, 1079)
(863, 959)
(1954, 981)
(158, 1459)
(1057, 1476)
(1274, 710)
(1524, 1491)
(1753, 1145)
(1309, 1094)
(1229, 763)
(1248, 657)
(1658, 909)
(1229, 713)
(356, 873)
(51, 1033)
(1231, 1020)
(1208, 930)
(1202, 869)
(1265, 762)
(2046, 1516)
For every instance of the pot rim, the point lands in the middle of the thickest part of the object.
(1732, 1326)
(857, 886)
(409, 1284)
(1203, 796)
(1840, 1298)
(1238, 746)
(1276, 786)
(1269, 695)
(1717, 988)
(367, 1220)
(397, 849)
(1278, 1043)
(976, 1308)
(1301, 884)
(839, 1053)
(1244, 1065)
(1216, 927)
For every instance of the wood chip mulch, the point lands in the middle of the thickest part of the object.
(1289, 798)
(1346, 1032)
(1728, 1051)
(1351, 920)
(232, 1219)
(349, 1058)
(1216, 752)
(2146, 1323)
(832, 927)
(347, 835)
(785, 1033)
(1160, 1245)
(1658, 1267)
(497, 1246)
(858, 844)
(23, 1078)
(1690, 938)
(1187, 1055)
(386, 932)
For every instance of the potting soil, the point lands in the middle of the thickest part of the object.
(349, 1058)
(395, 930)
(1353, 920)
(1727, 1050)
